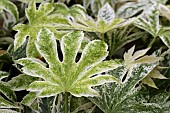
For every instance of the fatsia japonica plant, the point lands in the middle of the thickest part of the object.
(84, 56)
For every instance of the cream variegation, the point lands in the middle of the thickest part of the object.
(68, 75)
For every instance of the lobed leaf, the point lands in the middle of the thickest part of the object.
(68, 75)
(38, 18)
(119, 98)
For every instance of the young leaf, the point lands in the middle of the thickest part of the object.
(138, 57)
(68, 76)
(9, 7)
(78, 18)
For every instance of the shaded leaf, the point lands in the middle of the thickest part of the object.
(3, 74)
(7, 91)
(7, 104)
(21, 82)
(9, 7)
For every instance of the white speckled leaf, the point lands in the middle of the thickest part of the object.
(150, 21)
(118, 98)
(9, 7)
(129, 9)
(164, 36)
(106, 13)
(68, 75)
(21, 82)
(78, 18)
(29, 98)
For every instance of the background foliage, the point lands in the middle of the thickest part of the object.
(122, 41)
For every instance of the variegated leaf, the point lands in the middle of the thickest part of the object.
(3, 74)
(79, 19)
(117, 38)
(29, 98)
(21, 82)
(37, 19)
(27, 1)
(7, 104)
(9, 7)
(138, 57)
(8, 111)
(164, 36)
(130, 9)
(119, 98)
(7, 91)
(68, 75)
(150, 21)
(106, 14)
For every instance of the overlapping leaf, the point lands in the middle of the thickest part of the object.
(5, 89)
(68, 76)
(78, 18)
(138, 57)
(116, 98)
(9, 7)
(117, 38)
(37, 20)
(150, 22)
(8, 93)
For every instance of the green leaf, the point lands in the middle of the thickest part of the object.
(27, 1)
(9, 7)
(37, 19)
(118, 98)
(132, 8)
(68, 75)
(78, 19)
(29, 98)
(150, 21)
(164, 36)
(21, 82)
(7, 91)
(7, 104)
(3, 74)
(119, 37)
